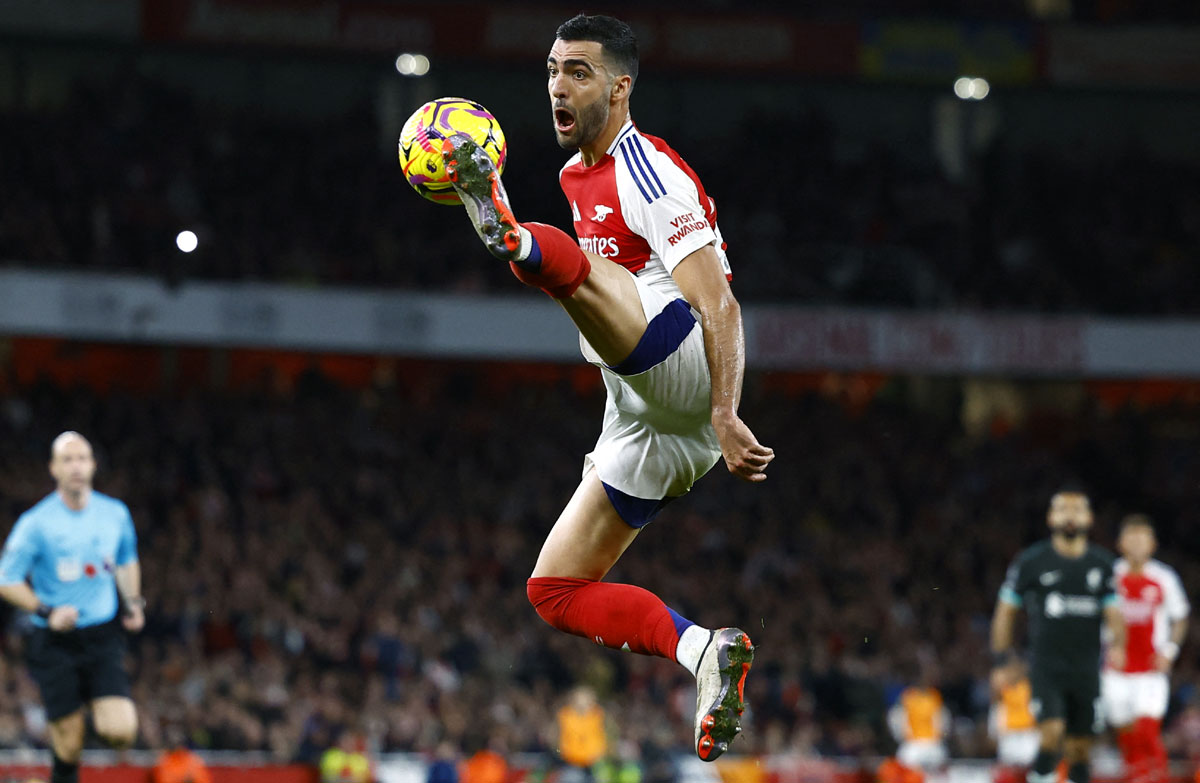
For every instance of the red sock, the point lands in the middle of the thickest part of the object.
(564, 266)
(614, 615)
(1153, 750)
(1127, 741)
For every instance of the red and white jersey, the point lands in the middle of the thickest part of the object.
(1150, 601)
(641, 206)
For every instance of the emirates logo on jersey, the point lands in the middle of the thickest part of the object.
(601, 246)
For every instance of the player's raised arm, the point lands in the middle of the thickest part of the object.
(701, 279)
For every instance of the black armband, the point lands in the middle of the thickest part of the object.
(43, 611)
(1002, 658)
(129, 604)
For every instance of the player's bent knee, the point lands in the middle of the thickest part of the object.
(551, 597)
(119, 733)
(116, 722)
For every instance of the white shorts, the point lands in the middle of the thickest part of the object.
(1128, 697)
(1018, 748)
(922, 754)
(657, 438)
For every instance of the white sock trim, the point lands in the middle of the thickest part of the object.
(526, 243)
(691, 646)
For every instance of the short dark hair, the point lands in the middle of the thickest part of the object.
(1137, 520)
(1072, 488)
(614, 36)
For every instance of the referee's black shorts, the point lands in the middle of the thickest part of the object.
(75, 667)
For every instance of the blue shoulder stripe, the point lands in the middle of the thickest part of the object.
(628, 145)
(632, 173)
(642, 153)
(625, 133)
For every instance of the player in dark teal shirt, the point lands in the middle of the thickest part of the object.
(1065, 585)
(78, 550)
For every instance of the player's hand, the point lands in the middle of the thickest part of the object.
(62, 618)
(1116, 658)
(745, 457)
(134, 619)
(1162, 663)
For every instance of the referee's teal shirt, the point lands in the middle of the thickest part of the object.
(71, 555)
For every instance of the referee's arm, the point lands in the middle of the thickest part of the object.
(128, 576)
(15, 564)
(16, 561)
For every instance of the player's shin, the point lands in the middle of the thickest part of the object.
(552, 262)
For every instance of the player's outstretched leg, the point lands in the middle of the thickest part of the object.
(540, 255)
(720, 690)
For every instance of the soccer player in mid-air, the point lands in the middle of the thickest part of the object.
(649, 293)
(1065, 585)
(1156, 609)
(80, 550)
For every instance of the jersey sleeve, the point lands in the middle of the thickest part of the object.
(127, 545)
(20, 550)
(1175, 599)
(661, 204)
(1014, 584)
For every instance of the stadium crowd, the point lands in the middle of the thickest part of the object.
(106, 181)
(320, 558)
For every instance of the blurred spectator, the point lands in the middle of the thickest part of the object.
(443, 768)
(920, 721)
(179, 765)
(582, 734)
(486, 765)
(347, 761)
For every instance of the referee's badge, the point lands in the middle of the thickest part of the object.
(68, 569)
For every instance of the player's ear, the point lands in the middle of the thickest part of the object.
(621, 87)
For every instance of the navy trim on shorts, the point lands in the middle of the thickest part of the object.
(635, 512)
(663, 336)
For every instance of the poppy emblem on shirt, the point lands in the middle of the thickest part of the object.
(89, 570)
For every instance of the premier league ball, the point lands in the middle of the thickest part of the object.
(421, 143)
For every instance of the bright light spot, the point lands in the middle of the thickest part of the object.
(971, 89)
(412, 64)
(186, 241)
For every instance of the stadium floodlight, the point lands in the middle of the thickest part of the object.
(186, 241)
(970, 88)
(412, 64)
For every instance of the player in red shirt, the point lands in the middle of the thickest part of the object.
(1156, 609)
(647, 285)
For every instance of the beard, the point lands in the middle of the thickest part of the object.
(1070, 530)
(589, 122)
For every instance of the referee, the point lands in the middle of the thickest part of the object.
(79, 549)
(1066, 587)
